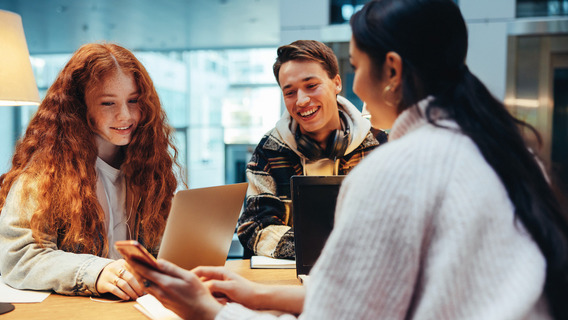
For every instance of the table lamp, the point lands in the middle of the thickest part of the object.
(17, 83)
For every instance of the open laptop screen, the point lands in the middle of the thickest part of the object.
(201, 224)
(313, 209)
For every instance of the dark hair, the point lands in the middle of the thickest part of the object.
(307, 50)
(431, 38)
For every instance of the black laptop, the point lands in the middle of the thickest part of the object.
(313, 209)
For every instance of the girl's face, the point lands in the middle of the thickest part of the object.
(113, 106)
(370, 89)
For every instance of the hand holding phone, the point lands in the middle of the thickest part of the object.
(132, 249)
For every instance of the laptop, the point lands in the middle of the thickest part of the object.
(201, 225)
(313, 210)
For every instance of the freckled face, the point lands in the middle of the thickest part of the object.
(310, 96)
(113, 106)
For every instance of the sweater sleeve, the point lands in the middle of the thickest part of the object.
(262, 227)
(235, 311)
(26, 265)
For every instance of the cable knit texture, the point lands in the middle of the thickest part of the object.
(425, 230)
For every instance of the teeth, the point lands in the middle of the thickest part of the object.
(309, 112)
(122, 128)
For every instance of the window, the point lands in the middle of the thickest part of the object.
(342, 10)
(541, 8)
(217, 100)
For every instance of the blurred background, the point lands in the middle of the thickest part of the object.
(211, 61)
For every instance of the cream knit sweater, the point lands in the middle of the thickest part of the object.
(424, 230)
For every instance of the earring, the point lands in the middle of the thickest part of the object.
(393, 100)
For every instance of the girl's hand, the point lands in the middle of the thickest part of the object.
(116, 279)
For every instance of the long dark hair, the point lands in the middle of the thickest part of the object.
(431, 38)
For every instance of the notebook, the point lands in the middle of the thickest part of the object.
(263, 262)
(201, 225)
(313, 209)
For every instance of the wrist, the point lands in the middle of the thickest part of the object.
(96, 286)
(213, 309)
(289, 299)
(264, 296)
(208, 311)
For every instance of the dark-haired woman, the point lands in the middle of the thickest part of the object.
(93, 167)
(452, 219)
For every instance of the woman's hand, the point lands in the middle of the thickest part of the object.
(227, 286)
(116, 279)
(177, 289)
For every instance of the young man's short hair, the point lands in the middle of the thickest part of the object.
(307, 50)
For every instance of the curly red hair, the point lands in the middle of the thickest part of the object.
(58, 154)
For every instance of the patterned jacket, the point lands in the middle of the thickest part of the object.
(264, 227)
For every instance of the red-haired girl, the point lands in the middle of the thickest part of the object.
(95, 166)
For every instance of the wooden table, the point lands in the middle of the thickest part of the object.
(67, 307)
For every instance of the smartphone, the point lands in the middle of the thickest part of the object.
(132, 249)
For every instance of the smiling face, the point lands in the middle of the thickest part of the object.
(310, 97)
(113, 107)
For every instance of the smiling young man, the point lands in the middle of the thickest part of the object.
(321, 134)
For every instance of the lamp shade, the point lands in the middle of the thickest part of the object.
(17, 83)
